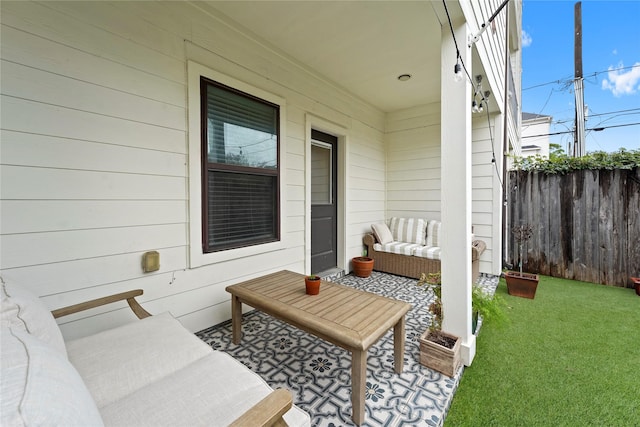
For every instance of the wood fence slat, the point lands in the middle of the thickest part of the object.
(591, 237)
(619, 212)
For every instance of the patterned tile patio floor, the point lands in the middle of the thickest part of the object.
(319, 373)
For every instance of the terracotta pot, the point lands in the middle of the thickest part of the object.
(440, 358)
(521, 284)
(636, 284)
(312, 285)
(362, 266)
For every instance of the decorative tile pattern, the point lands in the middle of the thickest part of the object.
(319, 373)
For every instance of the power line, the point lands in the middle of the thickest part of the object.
(564, 80)
(628, 112)
(614, 112)
(567, 79)
(597, 129)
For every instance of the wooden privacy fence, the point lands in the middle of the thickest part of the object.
(586, 224)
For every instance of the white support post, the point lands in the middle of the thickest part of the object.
(456, 191)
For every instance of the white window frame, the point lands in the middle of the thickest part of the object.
(196, 256)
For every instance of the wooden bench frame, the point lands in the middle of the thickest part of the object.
(266, 413)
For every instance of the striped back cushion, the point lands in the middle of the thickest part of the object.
(433, 233)
(410, 230)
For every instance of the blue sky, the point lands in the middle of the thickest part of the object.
(610, 41)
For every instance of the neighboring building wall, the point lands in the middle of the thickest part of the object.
(94, 154)
(535, 135)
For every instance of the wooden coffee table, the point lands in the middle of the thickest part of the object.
(346, 317)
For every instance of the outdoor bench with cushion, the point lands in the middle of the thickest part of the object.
(411, 246)
(151, 372)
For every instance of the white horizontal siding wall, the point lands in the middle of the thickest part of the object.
(413, 173)
(486, 191)
(413, 162)
(95, 151)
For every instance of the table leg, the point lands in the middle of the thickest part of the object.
(398, 345)
(358, 384)
(236, 319)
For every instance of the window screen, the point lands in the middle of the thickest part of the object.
(240, 141)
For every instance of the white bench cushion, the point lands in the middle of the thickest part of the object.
(410, 230)
(22, 308)
(397, 248)
(430, 252)
(117, 362)
(39, 385)
(433, 233)
(214, 390)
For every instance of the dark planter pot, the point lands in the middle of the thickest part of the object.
(521, 284)
(362, 266)
(474, 322)
(312, 286)
(636, 284)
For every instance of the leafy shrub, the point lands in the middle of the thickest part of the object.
(562, 163)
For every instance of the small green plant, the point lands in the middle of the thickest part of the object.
(490, 307)
(313, 277)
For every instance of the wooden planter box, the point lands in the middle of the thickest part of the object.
(439, 358)
(521, 284)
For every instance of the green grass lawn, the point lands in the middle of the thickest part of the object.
(569, 357)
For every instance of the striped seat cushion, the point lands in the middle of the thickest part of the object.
(402, 248)
(433, 233)
(410, 230)
(431, 252)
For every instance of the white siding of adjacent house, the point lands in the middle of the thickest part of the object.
(95, 155)
(535, 132)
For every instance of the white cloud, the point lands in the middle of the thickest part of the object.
(615, 51)
(526, 39)
(621, 82)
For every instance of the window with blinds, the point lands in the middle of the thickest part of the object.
(240, 164)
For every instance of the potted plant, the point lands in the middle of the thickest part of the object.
(518, 283)
(438, 350)
(312, 284)
(362, 265)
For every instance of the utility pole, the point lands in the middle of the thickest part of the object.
(578, 83)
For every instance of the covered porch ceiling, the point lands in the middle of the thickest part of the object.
(360, 46)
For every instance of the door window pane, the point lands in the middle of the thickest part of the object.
(321, 174)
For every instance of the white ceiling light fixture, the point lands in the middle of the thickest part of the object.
(404, 77)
